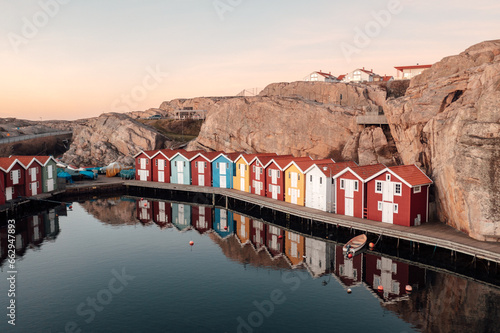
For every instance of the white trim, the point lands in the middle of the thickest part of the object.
(379, 206)
(342, 183)
(381, 186)
(400, 189)
(427, 210)
(417, 189)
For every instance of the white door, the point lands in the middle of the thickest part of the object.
(349, 206)
(294, 177)
(201, 180)
(162, 217)
(143, 163)
(201, 167)
(222, 173)
(50, 184)
(15, 176)
(180, 172)
(223, 219)
(387, 212)
(294, 195)
(161, 165)
(8, 193)
(180, 216)
(274, 190)
(161, 176)
(143, 175)
(50, 171)
(34, 190)
(274, 175)
(242, 184)
(242, 170)
(258, 186)
(257, 173)
(349, 188)
(388, 191)
(202, 222)
(33, 174)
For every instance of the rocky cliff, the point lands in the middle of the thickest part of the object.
(110, 137)
(449, 123)
(300, 118)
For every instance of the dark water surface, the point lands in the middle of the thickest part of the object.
(122, 265)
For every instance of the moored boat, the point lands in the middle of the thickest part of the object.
(354, 245)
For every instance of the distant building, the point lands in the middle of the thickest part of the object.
(320, 77)
(189, 114)
(383, 78)
(360, 75)
(407, 72)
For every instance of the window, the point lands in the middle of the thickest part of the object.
(378, 186)
(270, 189)
(396, 208)
(342, 184)
(11, 173)
(184, 163)
(320, 180)
(253, 169)
(311, 178)
(245, 167)
(289, 175)
(279, 174)
(417, 189)
(298, 176)
(156, 162)
(147, 161)
(217, 165)
(270, 173)
(175, 163)
(196, 164)
(30, 187)
(261, 170)
(205, 165)
(397, 189)
(356, 185)
(388, 178)
(227, 165)
(380, 205)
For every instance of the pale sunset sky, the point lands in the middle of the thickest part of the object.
(70, 59)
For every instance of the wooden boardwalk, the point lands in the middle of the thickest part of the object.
(434, 234)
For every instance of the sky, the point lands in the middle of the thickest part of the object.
(71, 59)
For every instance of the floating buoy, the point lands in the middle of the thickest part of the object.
(225, 228)
(57, 215)
(380, 288)
(349, 290)
(70, 207)
(408, 288)
(142, 199)
(349, 255)
(280, 237)
(191, 243)
(145, 204)
(371, 245)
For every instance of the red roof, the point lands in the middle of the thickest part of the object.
(6, 163)
(264, 160)
(306, 164)
(233, 156)
(366, 171)
(401, 68)
(190, 154)
(411, 174)
(250, 157)
(341, 77)
(169, 153)
(366, 71)
(331, 169)
(26, 160)
(284, 161)
(386, 77)
(327, 75)
(211, 155)
(42, 159)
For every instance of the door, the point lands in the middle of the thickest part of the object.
(8, 193)
(258, 186)
(257, 173)
(161, 176)
(143, 163)
(223, 219)
(274, 191)
(242, 184)
(201, 214)
(294, 177)
(162, 217)
(50, 172)
(34, 190)
(161, 165)
(349, 188)
(387, 212)
(143, 175)
(222, 172)
(242, 170)
(180, 172)
(294, 195)
(388, 191)
(33, 174)
(274, 176)
(349, 206)
(50, 185)
(15, 177)
(201, 180)
(201, 167)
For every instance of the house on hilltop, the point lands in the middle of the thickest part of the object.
(407, 72)
(320, 77)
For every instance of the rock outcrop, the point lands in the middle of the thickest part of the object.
(111, 137)
(449, 123)
(284, 120)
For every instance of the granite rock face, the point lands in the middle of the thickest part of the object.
(449, 123)
(111, 137)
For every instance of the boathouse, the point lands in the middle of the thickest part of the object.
(201, 218)
(294, 248)
(295, 182)
(259, 175)
(241, 179)
(350, 189)
(201, 168)
(161, 164)
(320, 184)
(14, 177)
(143, 169)
(399, 195)
(258, 234)
(49, 173)
(275, 240)
(180, 167)
(222, 170)
(144, 211)
(181, 216)
(275, 175)
(223, 222)
(33, 175)
(242, 228)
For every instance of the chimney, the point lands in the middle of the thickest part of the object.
(363, 68)
(371, 70)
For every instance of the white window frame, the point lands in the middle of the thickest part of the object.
(417, 189)
(378, 182)
(379, 206)
(388, 177)
(342, 184)
(400, 189)
(356, 185)
(279, 174)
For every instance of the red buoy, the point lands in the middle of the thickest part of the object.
(191, 243)
(371, 245)
(380, 288)
(225, 228)
(408, 288)
(280, 237)
(349, 290)
(70, 207)
(349, 255)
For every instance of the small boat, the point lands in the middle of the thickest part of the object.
(354, 245)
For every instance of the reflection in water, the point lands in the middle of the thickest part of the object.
(32, 232)
(430, 307)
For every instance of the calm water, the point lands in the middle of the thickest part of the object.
(121, 265)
